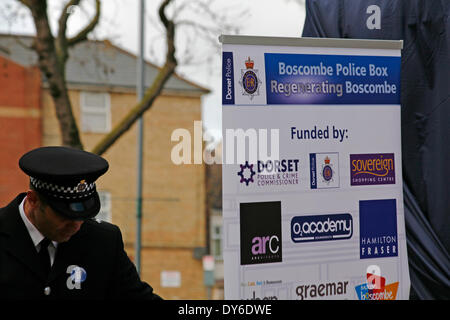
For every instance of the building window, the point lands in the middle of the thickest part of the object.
(95, 112)
(105, 210)
(216, 238)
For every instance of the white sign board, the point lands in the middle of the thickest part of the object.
(170, 279)
(312, 175)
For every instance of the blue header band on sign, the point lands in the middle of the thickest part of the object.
(332, 79)
(227, 78)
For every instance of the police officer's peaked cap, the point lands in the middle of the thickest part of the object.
(65, 177)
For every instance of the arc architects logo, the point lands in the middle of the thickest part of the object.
(260, 232)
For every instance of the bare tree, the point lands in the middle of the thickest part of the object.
(53, 53)
(198, 19)
(152, 92)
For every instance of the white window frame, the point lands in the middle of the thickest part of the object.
(216, 237)
(105, 209)
(87, 110)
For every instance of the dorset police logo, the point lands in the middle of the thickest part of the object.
(249, 81)
(324, 170)
(327, 171)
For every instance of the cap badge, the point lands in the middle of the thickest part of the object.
(81, 187)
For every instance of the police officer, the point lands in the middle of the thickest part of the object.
(50, 245)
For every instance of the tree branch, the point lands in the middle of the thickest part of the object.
(137, 111)
(82, 35)
(152, 93)
(50, 65)
(62, 22)
(61, 39)
(170, 32)
(26, 3)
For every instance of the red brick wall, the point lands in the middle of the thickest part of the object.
(20, 124)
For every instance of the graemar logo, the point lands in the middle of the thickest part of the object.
(324, 290)
(375, 288)
(260, 232)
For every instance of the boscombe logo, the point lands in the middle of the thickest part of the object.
(249, 79)
(260, 232)
(321, 227)
(372, 169)
(378, 228)
(375, 288)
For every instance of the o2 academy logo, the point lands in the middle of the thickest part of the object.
(321, 227)
(260, 232)
(249, 80)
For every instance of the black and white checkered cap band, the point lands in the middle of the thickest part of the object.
(80, 191)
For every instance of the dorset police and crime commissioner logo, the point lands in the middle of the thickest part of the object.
(249, 79)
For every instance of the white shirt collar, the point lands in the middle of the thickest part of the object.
(35, 235)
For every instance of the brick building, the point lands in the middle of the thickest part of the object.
(101, 79)
(20, 125)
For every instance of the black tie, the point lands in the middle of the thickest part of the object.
(44, 256)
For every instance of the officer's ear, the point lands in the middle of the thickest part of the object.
(33, 199)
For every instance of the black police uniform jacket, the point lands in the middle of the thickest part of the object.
(97, 249)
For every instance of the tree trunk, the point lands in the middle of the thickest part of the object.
(53, 67)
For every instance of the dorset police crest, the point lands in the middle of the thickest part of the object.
(249, 79)
(327, 170)
(324, 170)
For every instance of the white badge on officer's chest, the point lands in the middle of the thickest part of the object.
(76, 276)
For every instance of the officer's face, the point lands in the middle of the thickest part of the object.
(56, 227)
(52, 225)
